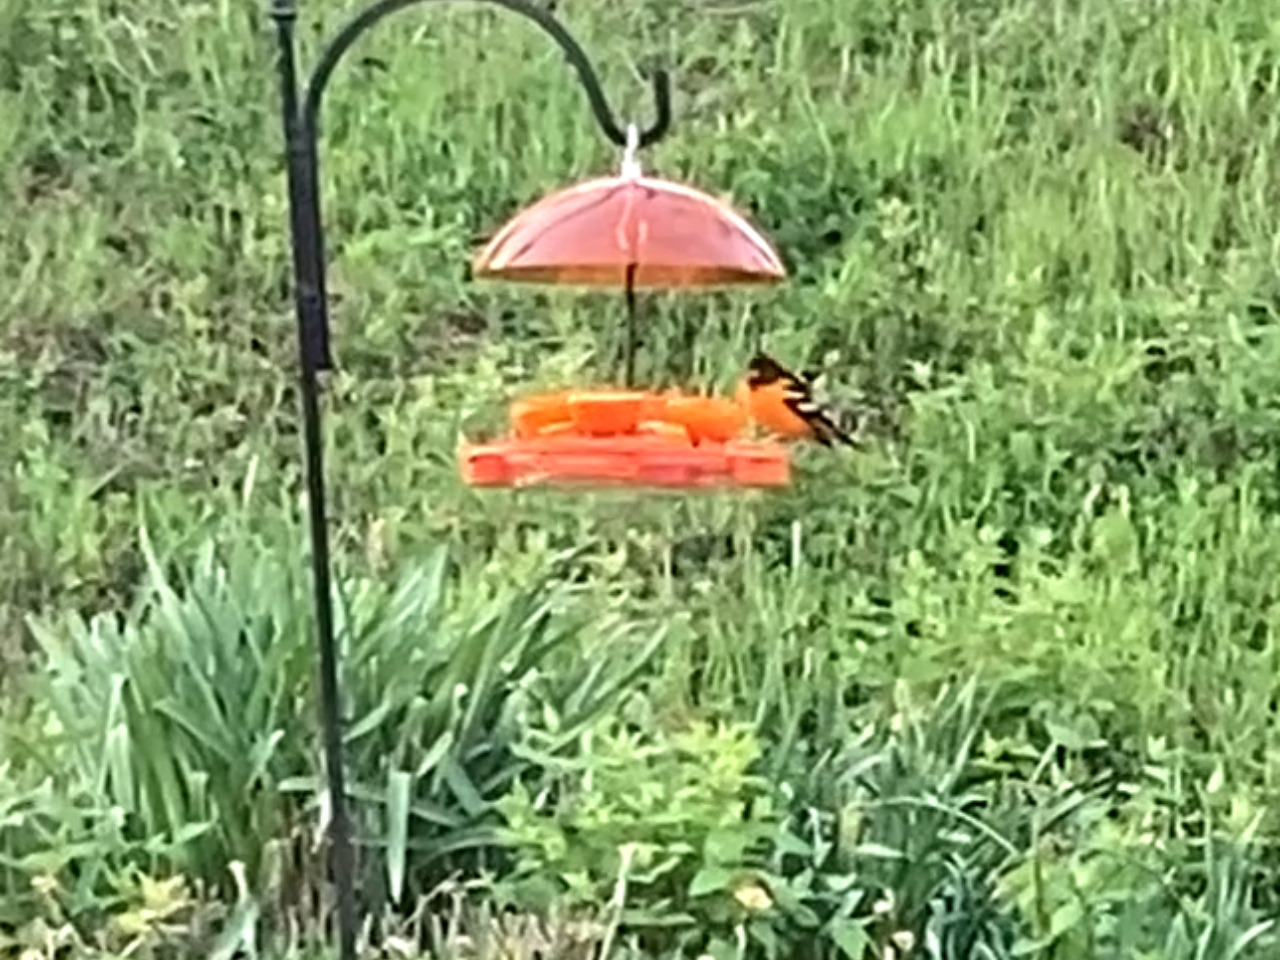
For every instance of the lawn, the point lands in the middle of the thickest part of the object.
(1000, 682)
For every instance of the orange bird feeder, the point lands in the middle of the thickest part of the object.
(609, 437)
(639, 233)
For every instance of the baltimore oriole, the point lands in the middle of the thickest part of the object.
(780, 402)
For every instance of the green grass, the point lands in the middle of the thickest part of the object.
(1020, 650)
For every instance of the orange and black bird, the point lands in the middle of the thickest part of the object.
(781, 402)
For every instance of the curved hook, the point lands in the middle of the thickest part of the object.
(332, 55)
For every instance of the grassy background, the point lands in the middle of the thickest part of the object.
(1037, 239)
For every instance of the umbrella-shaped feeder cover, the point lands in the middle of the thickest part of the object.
(667, 234)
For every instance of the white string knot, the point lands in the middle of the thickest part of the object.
(631, 154)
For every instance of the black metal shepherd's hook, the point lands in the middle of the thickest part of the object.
(301, 141)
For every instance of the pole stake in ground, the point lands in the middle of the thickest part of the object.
(300, 110)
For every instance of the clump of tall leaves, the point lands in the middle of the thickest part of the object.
(194, 718)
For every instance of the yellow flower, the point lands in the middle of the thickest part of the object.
(753, 897)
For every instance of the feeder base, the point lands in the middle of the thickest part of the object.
(635, 461)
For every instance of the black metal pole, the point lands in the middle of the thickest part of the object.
(301, 135)
(314, 356)
(629, 361)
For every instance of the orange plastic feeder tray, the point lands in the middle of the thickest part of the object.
(608, 437)
(637, 461)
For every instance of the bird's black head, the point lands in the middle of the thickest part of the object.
(763, 369)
